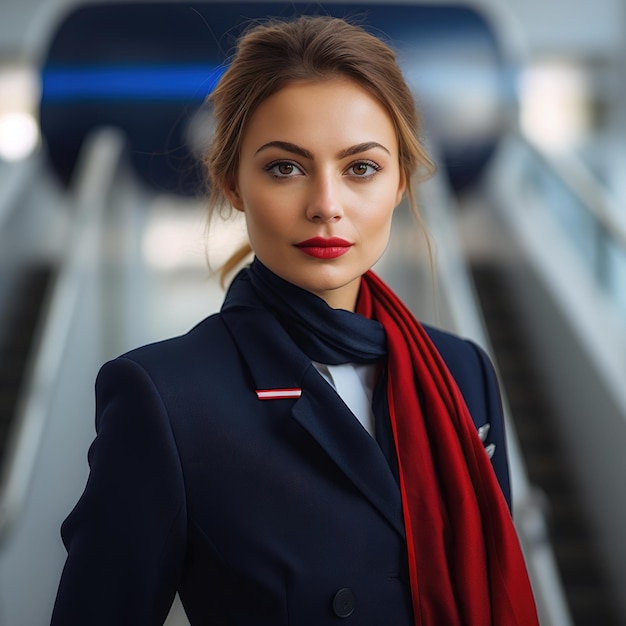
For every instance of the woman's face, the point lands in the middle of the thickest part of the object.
(318, 181)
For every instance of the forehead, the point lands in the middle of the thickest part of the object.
(335, 110)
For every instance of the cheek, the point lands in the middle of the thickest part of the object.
(384, 231)
(374, 230)
(266, 218)
(382, 228)
(380, 214)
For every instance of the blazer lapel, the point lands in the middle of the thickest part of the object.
(328, 420)
(280, 369)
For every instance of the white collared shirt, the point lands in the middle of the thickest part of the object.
(354, 383)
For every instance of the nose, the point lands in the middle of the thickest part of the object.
(324, 203)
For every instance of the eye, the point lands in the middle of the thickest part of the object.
(363, 169)
(283, 169)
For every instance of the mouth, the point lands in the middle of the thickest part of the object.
(324, 248)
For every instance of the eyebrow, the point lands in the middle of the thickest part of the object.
(295, 149)
(361, 147)
(289, 147)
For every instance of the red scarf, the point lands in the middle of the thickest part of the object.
(465, 563)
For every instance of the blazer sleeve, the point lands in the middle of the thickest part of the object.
(126, 536)
(495, 418)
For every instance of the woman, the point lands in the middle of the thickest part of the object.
(311, 452)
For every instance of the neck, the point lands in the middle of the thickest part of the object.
(342, 298)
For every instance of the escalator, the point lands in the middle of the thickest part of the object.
(583, 578)
(548, 227)
(97, 304)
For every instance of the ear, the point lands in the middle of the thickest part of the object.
(401, 187)
(231, 191)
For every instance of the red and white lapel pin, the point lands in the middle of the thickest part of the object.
(278, 394)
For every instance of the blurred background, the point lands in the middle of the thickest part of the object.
(104, 246)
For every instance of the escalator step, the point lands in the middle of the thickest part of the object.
(20, 312)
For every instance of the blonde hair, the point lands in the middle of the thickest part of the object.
(312, 48)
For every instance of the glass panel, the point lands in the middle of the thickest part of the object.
(596, 246)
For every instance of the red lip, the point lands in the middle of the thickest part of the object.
(324, 248)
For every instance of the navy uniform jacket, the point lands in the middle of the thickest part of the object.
(273, 512)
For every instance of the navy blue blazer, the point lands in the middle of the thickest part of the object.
(275, 512)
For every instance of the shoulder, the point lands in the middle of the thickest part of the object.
(466, 361)
(470, 367)
(196, 374)
(205, 353)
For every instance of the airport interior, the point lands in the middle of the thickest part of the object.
(105, 246)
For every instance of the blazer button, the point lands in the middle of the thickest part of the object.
(343, 602)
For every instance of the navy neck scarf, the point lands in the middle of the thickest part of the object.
(324, 334)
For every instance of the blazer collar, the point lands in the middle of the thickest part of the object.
(275, 362)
